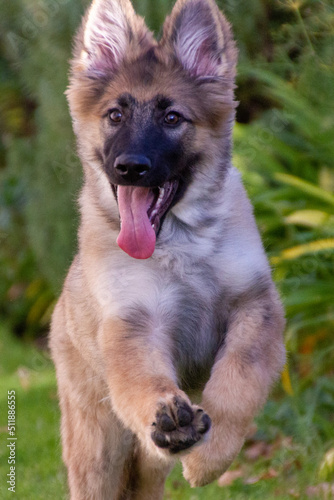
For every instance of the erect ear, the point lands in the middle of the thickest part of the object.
(111, 30)
(201, 38)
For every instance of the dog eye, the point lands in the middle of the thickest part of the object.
(172, 118)
(115, 115)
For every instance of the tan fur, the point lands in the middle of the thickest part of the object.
(239, 377)
(133, 338)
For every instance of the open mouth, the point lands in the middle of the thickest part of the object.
(141, 212)
(163, 197)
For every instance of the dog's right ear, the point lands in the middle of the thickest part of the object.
(110, 31)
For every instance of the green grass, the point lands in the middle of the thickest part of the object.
(296, 431)
(40, 474)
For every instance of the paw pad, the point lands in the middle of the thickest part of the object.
(178, 426)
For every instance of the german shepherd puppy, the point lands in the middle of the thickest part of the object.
(170, 296)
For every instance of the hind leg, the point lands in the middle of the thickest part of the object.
(105, 462)
(145, 477)
(96, 446)
(95, 450)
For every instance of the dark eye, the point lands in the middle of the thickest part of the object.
(172, 118)
(115, 115)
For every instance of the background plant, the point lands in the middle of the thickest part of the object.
(284, 146)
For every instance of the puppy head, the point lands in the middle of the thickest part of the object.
(147, 114)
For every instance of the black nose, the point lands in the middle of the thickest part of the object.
(132, 167)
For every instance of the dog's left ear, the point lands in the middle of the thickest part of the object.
(201, 38)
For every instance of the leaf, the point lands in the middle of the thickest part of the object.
(286, 381)
(34, 288)
(39, 307)
(317, 295)
(308, 218)
(326, 179)
(310, 342)
(305, 186)
(326, 469)
(304, 249)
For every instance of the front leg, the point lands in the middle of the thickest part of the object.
(249, 361)
(144, 392)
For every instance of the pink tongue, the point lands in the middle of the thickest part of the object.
(137, 236)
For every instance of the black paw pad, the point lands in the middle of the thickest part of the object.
(160, 439)
(205, 423)
(166, 423)
(184, 413)
(178, 426)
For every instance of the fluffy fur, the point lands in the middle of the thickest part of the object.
(135, 342)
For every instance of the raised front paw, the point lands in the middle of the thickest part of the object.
(178, 426)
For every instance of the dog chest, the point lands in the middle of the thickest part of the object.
(177, 314)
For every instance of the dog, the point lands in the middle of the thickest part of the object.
(168, 333)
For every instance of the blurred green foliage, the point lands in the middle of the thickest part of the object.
(283, 146)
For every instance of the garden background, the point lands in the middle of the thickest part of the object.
(284, 147)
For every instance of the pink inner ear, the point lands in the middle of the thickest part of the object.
(105, 40)
(102, 59)
(205, 64)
